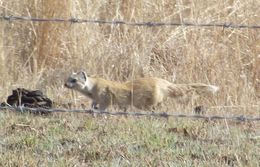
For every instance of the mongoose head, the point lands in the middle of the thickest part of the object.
(77, 81)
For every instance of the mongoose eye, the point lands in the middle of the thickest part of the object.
(73, 80)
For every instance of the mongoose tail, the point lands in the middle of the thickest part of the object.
(180, 90)
(203, 88)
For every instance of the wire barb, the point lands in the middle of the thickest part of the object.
(121, 22)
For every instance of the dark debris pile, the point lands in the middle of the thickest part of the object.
(28, 98)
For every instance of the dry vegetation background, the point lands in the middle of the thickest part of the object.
(41, 55)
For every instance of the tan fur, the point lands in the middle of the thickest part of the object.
(142, 93)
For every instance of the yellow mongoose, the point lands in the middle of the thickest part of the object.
(142, 93)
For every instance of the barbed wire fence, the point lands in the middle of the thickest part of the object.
(121, 22)
(241, 118)
(147, 24)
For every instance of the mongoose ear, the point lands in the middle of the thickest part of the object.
(82, 75)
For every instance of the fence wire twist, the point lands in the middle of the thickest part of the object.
(121, 22)
(150, 114)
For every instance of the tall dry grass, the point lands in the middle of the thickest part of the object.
(41, 55)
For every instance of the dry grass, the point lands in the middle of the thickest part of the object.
(41, 55)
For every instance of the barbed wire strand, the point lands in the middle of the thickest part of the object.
(236, 106)
(121, 22)
(151, 114)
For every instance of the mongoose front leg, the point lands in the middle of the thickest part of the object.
(94, 105)
(102, 107)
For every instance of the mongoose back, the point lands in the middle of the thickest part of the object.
(142, 93)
